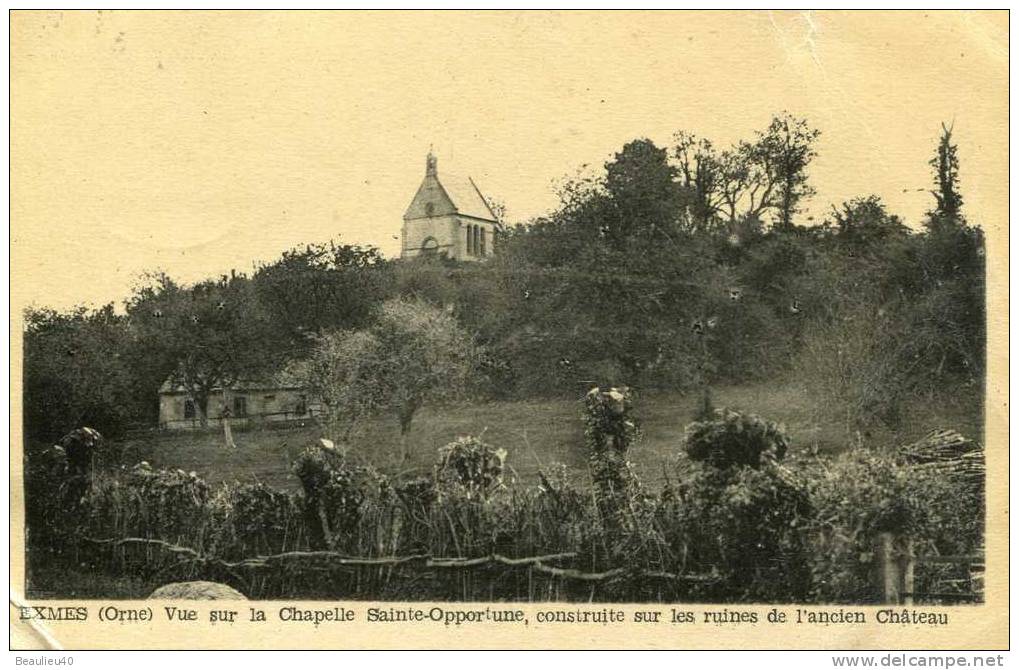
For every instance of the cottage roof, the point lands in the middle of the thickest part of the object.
(283, 379)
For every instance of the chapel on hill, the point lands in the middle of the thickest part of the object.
(448, 216)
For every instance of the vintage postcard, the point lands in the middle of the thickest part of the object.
(509, 329)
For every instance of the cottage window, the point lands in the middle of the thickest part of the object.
(240, 405)
(189, 408)
(301, 408)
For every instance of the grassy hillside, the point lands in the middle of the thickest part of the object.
(535, 433)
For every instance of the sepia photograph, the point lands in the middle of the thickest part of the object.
(685, 311)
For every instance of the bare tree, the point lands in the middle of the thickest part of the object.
(700, 173)
(751, 178)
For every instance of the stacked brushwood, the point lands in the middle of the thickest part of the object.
(950, 454)
(953, 560)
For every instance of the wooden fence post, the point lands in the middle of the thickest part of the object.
(895, 567)
(908, 562)
(976, 579)
(886, 575)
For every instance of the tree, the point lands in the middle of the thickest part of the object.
(644, 198)
(953, 249)
(751, 178)
(863, 225)
(700, 173)
(953, 264)
(206, 336)
(615, 286)
(318, 288)
(946, 181)
(783, 153)
(413, 354)
(75, 372)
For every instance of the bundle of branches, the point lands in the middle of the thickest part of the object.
(939, 446)
(949, 453)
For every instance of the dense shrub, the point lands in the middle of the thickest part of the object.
(736, 511)
(470, 464)
(858, 495)
(746, 524)
(609, 431)
(861, 493)
(51, 498)
(733, 438)
(262, 520)
(334, 492)
(142, 502)
(855, 367)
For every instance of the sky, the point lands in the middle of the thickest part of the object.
(199, 142)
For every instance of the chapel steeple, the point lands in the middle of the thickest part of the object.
(431, 164)
(448, 217)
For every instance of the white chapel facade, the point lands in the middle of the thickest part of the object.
(448, 216)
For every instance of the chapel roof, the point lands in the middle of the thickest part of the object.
(448, 194)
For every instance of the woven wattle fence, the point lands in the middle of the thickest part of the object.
(424, 561)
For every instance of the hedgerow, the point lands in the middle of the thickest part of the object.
(735, 522)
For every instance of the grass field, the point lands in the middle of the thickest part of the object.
(535, 433)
